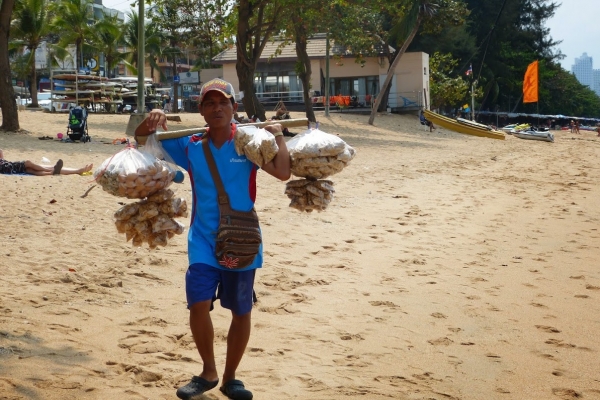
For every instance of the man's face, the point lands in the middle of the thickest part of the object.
(217, 109)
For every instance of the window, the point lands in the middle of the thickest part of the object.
(277, 85)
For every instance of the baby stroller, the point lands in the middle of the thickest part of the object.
(77, 128)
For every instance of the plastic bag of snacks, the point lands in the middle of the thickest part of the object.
(152, 220)
(315, 155)
(134, 174)
(257, 144)
(308, 195)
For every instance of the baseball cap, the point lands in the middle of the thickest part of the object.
(217, 84)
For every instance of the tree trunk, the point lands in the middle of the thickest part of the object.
(109, 70)
(392, 69)
(33, 83)
(10, 115)
(78, 53)
(306, 72)
(250, 42)
(245, 65)
(385, 96)
(251, 104)
(175, 99)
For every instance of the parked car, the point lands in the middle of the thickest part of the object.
(45, 102)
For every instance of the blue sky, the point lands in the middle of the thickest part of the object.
(576, 23)
(121, 5)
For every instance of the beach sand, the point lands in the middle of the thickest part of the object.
(446, 267)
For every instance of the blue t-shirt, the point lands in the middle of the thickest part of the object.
(239, 179)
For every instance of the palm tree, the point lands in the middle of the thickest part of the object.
(152, 50)
(411, 23)
(29, 28)
(72, 20)
(109, 33)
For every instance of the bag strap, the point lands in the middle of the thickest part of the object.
(214, 171)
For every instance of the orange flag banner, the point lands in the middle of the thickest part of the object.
(530, 84)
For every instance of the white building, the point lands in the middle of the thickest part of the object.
(276, 78)
(584, 71)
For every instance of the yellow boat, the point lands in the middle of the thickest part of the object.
(465, 126)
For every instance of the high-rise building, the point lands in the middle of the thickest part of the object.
(596, 81)
(584, 71)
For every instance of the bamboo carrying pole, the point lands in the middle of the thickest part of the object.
(142, 134)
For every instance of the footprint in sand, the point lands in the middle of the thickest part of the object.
(382, 303)
(549, 329)
(539, 305)
(559, 343)
(348, 336)
(444, 341)
(566, 393)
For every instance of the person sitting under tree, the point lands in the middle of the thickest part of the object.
(29, 167)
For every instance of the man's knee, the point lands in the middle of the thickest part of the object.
(200, 308)
(241, 317)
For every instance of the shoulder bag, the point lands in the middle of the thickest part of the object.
(238, 237)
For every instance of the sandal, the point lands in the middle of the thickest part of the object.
(195, 389)
(235, 390)
(58, 167)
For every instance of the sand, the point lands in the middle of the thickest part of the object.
(447, 267)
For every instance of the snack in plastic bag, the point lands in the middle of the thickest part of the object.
(151, 220)
(317, 154)
(308, 195)
(134, 174)
(257, 144)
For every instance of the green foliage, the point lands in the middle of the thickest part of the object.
(70, 21)
(153, 48)
(209, 28)
(444, 89)
(499, 38)
(29, 28)
(108, 36)
(561, 93)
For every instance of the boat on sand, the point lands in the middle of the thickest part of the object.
(464, 126)
(532, 134)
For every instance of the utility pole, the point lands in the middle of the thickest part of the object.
(141, 101)
(137, 118)
(473, 82)
(327, 75)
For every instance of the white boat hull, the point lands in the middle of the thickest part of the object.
(543, 136)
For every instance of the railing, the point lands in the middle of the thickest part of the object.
(396, 100)
(268, 98)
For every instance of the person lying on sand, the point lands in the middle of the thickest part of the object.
(29, 167)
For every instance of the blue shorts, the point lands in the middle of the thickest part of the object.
(234, 289)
